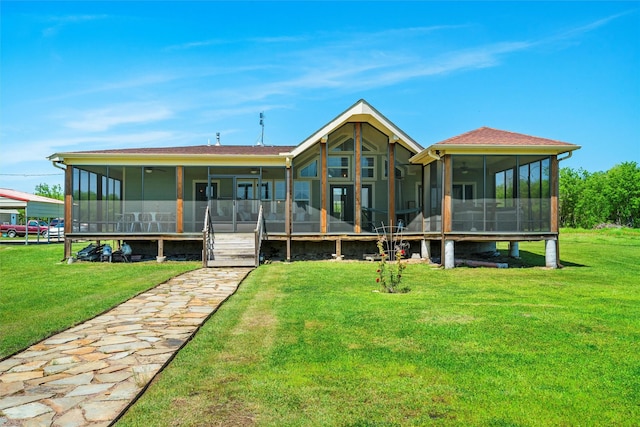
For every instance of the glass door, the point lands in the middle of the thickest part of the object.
(341, 209)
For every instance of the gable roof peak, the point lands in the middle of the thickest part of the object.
(360, 111)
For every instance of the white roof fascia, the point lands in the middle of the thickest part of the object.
(425, 158)
(365, 111)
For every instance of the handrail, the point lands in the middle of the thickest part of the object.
(208, 238)
(260, 233)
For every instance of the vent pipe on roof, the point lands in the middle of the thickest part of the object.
(260, 143)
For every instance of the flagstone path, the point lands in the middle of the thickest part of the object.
(89, 374)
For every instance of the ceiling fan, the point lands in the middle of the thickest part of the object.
(149, 169)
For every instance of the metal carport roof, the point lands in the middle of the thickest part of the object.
(34, 206)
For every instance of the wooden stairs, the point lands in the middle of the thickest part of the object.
(233, 250)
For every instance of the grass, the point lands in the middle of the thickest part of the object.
(311, 343)
(39, 295)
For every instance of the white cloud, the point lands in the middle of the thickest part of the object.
(60, 22)
(106, 118)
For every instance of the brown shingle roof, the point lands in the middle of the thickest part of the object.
(489, 136)
(219, 150)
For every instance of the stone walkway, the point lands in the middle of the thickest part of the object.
(89, 374)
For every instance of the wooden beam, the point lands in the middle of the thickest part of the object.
(323, 185)
(554, 187)
(358, 178)
(288, 206)
(391, 175)
(68, 209)
(554, 175)
(446, 203)
(180, 199)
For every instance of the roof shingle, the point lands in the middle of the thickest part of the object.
(219, 150)
(489, 136)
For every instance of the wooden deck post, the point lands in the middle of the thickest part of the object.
(554, 184)
(180, 199)
(288, 205)
(358, 178)
(446, 202)
(323, 184)
(391, 175)
(68, 209)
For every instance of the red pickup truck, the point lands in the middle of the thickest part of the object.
(34, 227)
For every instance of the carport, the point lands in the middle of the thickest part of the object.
(34, 206)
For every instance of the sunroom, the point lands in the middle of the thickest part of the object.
(495, 186)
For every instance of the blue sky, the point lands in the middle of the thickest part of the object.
(95, 75)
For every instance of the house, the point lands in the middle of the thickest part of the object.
(331, 192)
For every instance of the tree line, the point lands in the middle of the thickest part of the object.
(588, 200)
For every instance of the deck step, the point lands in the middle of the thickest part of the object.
(231, 263)
(233, 250)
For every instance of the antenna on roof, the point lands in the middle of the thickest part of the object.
(208, 142)
(261, 141)
(217, 139)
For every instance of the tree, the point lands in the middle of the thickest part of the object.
(622, 189)
(570, 188)
(593, 207)
(588, 199)
(53, 192)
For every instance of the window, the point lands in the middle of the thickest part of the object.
(265, 193)
(96, 198)
(310, 170)
(244, 190)
(281, 190)
(301, 191)
(338, 167)
(535, 191)
(504, 188)
(368, 167)
(463, 191)
(386, 170)
(301, 197)
(343, 146)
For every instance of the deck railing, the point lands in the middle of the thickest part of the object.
(208, 238)
(260, 233)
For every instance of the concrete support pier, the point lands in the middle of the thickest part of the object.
(425, 249)
(449, 254)
(550, 257)
(514, 250)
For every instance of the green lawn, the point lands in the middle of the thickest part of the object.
(310, 343)
(39, 295)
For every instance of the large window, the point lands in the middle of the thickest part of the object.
(97, 197)
(310, 170)
(501, 193)
(368, 167)
(302, 191)
(338, 167)
(535, 191)
(244, 190)
(281, 190)
(505, 188)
